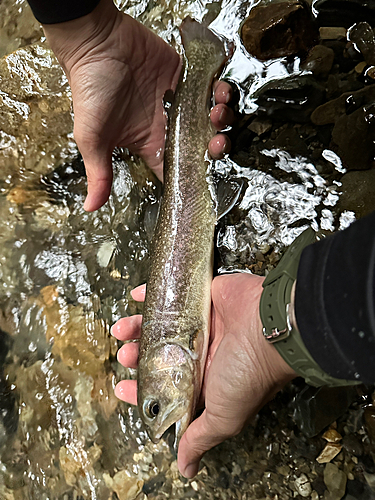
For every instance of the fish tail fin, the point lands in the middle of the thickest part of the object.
(192, 31)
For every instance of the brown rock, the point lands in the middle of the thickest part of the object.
(358, 194)
(369, 415)
(354, 136)
(320, 60)
(279, 29)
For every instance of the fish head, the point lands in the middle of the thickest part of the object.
(166, 389)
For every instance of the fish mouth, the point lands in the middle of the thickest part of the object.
(169, 419)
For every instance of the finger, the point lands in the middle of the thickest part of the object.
(223, 92)
(139, 293)
(221, 116)
(219, 146)
(127, 328)
(200, 437)
(128, 355)
(126, 390)
(98, 164)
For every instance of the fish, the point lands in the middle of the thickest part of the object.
(176, 315)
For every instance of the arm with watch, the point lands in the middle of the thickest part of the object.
(258, 344)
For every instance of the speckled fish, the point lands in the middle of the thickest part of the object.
(176, 315)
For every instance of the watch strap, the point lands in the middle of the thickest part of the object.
(274, 303)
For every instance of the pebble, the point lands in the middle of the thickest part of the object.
(303, 486)
(332, 33)
(330, 451)
(332, 436)
(335, 481)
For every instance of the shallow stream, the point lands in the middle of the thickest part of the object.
(303, 146)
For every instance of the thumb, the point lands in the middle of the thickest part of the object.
(200, 436)
(98, 164)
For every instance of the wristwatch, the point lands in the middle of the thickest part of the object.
(275, 315)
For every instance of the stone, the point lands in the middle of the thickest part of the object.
(36, 121)
(363, 36)
(126, 487)
(331, 111)
(335, 481)
(279, 29)
(319, 61)
(332, 33)
(369, 415)
(352, 445)
(303, 486)
(344, 13)
(357, 193)
(260, 126)
(353, 135)
(330, 451)
(332, 436)
(315, 409)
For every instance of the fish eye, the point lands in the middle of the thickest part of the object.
(153, 409)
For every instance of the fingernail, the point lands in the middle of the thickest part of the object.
(191, 471)
(112, 330)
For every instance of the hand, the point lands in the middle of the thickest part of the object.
(119, 71)
(243, 371)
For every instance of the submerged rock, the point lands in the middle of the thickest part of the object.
(315, 409)
(363, 36)
(335, 480)
(319, 60)
(358, 193)
(354, 137)
(344, 12)
(279, 29)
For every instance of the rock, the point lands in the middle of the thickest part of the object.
(35, 113)
(348, 102)
(319, 60)
(303, 486)
(18, 26)
(125, 486)
(292, 99)
(315, 409)
(354, 137)
(279, 29)
(332, 33)
(352, 445)
(330, 451)
(369, 415)
(344, 13)
(370, 480)
(332, 436)
(260, 126)
(363, 36)
(335, 481)
(358, 193)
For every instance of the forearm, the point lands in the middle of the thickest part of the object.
(334, 302)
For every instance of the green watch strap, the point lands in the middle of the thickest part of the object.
(274, 302)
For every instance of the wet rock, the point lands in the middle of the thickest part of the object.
(332, 33)
(369, 416)
(347, 103)
(358, 194)
(292, 99)
(352, 445)
(332, 436)
(260, 126)
(126, 487)
(303, 486)
(363, 36)
(330, 451)
(354, 137)
(335, 481)
(344, 12)
(315, 409)
(279, 29)
(319, 61)
(35, 112)
(18, 26)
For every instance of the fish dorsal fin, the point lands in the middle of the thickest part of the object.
(227, 194)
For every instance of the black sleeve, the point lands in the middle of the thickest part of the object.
(59, 11)
(334, 302)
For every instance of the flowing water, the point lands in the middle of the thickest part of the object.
(65, 277)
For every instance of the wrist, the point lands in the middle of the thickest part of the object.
(72, 40)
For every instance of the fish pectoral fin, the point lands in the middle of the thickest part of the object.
(227, 193)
